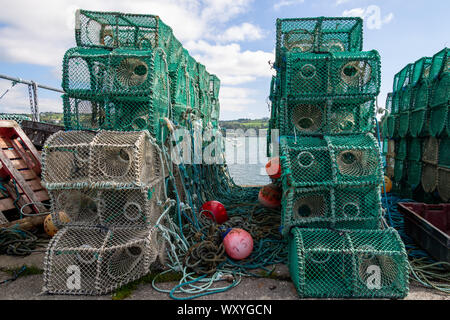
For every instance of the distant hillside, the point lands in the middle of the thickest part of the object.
(245, 124)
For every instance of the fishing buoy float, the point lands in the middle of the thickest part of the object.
(215, 211)
(49, 226)
(270, 196)
(273, 168)
(238, 244)
(388, 184)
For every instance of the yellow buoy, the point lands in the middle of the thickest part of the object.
(388, 184)
(49, 226)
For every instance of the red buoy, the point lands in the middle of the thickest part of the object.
(270, 196)
(238, 244)
(273, 168)
(215, 211)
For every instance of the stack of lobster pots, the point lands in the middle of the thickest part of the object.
(323, 106)
(126, 84)
(416, 129)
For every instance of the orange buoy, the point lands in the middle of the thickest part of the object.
(273, 168)
(270, 196)
(49, 226)
(388, 184)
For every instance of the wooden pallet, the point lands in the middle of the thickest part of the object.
(21, 163)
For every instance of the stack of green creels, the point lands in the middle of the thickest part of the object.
(128, 72)
(416, 127)
(323, 104)
(126, 83)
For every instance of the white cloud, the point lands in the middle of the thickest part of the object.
(39, 32)
(339, 2)
(371, 15)
(286, 3)
(232, 65)
(236, 99)
(243, 32)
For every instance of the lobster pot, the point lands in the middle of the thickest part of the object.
(205, 107)
(431, 151)
(86, 72)
(66, 157)
(317, 117)
(112, 29)
(214, 86)
(111, 207)
(95, 261)
(402, 149)
(414, 173)
(399, 170)
(440, 63)
(311, 161)
(125, 158)
(306, 161)
(179, 80)
(215, 111)
(347, 208)
(354, 76)
(175, 51)
(318, 35)
(356, 159)
(403, 78)
(415, 149)
(420, 113)
(384, 127)
(444, 152)
(392, 123)
(406, 97)
(429, 177)
(362, 263)
(80, 114)
(421, 70)
(95, 73)
(443, 183)
(440, 104)
(403, 123)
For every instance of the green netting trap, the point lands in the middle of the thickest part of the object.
(320, 34)
(349, 207)
(114, 29)
(403, 124)
(403, 77)
(390, 158)
(350, 75)
(94, 73)
(421, 70)
(440, 104)
(440, 63)
(360, 263)
(116, 114)
(214, 86)
(431, 150)
(420, 112)
(414, 173)
(402, 149)
(332, 160)
(415, 149)
(399, 170)
(316, 117)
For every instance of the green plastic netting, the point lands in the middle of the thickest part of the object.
(360, 263)
(403, 124)
(354, 76)
(429, 177)
(440, 63)
(431, 150)
(332, 160)
(420, 112)
(403, 78)
(94, 73)
(414, 173)
(444, 152)
(415, 149)
(317, 117)
(440, 104)
(399, 170)
(402, 149)
(390, 158)
(421, 70)
(113, 29)
(318, 35)
(16, 117)
(347, 207)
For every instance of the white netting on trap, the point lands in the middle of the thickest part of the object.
(111, 207)
(84, 158)
(98, 260)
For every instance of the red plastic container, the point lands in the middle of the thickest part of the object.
(429, 226)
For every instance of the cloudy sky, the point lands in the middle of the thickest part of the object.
(234, 39)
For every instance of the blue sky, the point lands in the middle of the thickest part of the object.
(233, 39)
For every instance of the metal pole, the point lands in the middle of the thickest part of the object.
(18, 80)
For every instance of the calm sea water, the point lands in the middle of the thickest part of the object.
(246, 159)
